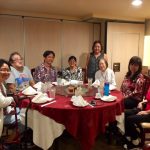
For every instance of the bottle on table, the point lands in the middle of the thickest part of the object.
(106, 89)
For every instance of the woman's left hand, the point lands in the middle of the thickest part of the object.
(142, 113)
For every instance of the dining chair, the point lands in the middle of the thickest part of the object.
(32, 71)
(21, 139)
(9, 127)
(84, 75)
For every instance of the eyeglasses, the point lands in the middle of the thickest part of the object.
(16, 60)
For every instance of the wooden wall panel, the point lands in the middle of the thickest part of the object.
(77, 40)
(11, 35)
(41, 35)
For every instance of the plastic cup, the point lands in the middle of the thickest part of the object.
(51, 93)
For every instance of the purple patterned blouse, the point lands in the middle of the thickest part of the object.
(45, 75)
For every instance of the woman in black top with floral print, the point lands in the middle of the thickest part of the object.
(73, 72)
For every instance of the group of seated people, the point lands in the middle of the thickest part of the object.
(18, 77)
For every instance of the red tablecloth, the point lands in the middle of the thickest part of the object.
(82, 123)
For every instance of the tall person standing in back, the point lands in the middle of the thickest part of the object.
(93, 59)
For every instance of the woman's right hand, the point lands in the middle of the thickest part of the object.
(140, 105)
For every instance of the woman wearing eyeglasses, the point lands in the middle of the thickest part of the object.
(4, 100)
(20, 76)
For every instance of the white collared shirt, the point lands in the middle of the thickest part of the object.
(108, 75)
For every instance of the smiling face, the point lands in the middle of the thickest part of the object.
(17, 61)
(102, 65)
(72, 63)
(97, 48)
(134, 68)
(4, 72)
(49, 59)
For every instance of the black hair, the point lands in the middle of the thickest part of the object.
(48, 52)
(137, 61)
(11, 57)
(3, 61)
(72, 57)
(95, 42)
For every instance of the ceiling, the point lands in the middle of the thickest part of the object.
(77, 9)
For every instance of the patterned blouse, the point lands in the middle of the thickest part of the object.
(133, 88)
(69, 75)
(45, 75)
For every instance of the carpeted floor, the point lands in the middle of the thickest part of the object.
(67, 142)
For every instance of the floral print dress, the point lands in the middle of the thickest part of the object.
(73, 75)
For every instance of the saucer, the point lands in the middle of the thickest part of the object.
(97, 97)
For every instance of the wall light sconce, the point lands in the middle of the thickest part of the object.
(137, 2)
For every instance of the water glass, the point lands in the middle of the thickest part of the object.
(51, 93)
(90, 81)
(59, 81)
(100, 91)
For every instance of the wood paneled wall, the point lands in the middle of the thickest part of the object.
(32, 36)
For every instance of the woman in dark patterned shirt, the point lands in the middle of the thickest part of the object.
(73, 72)
(132, 85)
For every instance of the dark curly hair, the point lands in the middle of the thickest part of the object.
(48, 52)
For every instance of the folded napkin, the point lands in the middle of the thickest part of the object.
(74, 82)
(41, 98)
(79, 101)
(29, 91)
(109, 98)
(38, 86)
(62, 82)
(96, 83)
(112, 87)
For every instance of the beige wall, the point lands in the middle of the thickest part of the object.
(11, 34)
(124, 40)
(32, 36)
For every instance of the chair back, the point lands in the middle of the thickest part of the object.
(32, 71)
(84, 75)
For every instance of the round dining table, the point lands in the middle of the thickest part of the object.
(83, 123)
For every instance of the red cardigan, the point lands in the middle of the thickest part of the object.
(148, 99)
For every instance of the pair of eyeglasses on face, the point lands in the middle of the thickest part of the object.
(16, 60)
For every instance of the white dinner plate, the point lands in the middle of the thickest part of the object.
(109, 98)
(77, 105)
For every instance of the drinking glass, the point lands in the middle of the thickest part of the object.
(90, 81)
(51, 93)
